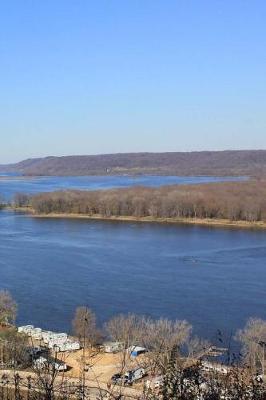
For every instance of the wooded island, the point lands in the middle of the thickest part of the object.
(231, 201)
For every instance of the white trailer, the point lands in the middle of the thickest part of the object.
(113, 347)
(59, 336)
(25, 329)
(68, 346)
(71, 346)
(46, 335)
(42, 362)
(36, 333)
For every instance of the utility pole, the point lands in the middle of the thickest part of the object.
(83, 357)
(82, 364)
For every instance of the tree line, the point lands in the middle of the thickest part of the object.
(235, 201)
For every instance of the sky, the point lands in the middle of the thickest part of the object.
(92, 77)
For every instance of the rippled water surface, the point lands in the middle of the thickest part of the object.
(11, 184)
(214, 278)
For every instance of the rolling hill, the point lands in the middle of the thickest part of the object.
(233, 162)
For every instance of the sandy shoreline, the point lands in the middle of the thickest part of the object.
(183, 221)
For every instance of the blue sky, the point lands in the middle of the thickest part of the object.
(88, 77)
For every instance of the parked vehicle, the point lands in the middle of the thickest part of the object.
(120, 379)
(129, 377)
(50, 363)
(34, 352)
(116, 378)
(134, 375)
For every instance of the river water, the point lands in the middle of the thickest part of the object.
(12, 184)
(213, 277)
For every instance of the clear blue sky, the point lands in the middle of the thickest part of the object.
(85, 77)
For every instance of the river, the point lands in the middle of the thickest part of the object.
(12, 184)
(212, 277)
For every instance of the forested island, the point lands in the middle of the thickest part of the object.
(230, 202)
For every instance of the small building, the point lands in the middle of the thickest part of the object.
(135, 351)
(113, 347)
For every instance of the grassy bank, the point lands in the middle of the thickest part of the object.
(187, 221)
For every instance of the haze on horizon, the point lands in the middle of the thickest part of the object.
(114, 76)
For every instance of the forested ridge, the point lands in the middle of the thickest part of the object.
(214, 163)
(236, 201)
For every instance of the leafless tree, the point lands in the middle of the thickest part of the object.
(233, 201)
(127, 329)
(253, 339)
(197, 347)
(48, 381)
(163, 338)
(84, 326)
(8, 308)
(13, 348)
(21, 200)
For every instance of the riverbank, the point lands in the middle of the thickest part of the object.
(184, 221)
(187, 221)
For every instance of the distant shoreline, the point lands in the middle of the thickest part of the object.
(178, 221)
(215, 163)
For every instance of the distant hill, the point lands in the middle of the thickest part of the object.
(239, 162)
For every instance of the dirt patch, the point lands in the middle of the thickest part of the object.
(100, 366)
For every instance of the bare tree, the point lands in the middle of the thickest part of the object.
(48, 381)
(8, 308)
(253, 339)
(164, 338)
(13, 348)
(197, 347)
(231, 200)
(21, 200)
(126, 328)
(84, 326)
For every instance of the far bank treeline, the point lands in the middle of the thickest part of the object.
(241, 201)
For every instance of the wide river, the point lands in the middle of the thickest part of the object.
(10, 185)
(214, 278)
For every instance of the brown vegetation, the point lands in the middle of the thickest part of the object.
(84, 326)
(8, 308)
(242, 201)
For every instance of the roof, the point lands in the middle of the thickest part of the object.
(137, 349)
